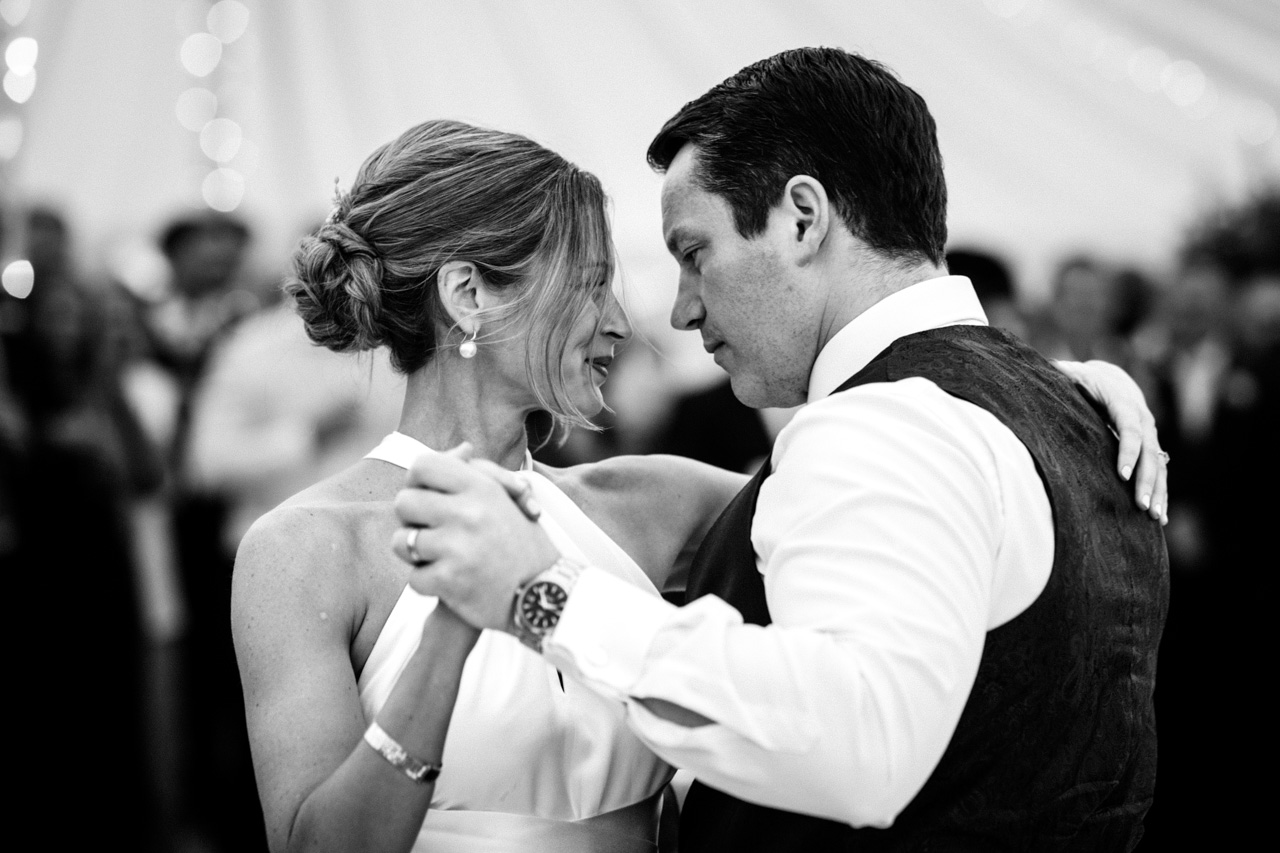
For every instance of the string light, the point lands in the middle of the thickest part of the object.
(21, 54)
(14, 11)
(19, 87)
(227, 20)
(220, 138)
(196, 107)
(18, 278)
(200, 54)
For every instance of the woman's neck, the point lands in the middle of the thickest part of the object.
(446, 404)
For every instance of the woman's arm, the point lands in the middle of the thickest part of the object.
(295, 609)
(1127, 408)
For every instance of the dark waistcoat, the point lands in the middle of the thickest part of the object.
(1056, 747)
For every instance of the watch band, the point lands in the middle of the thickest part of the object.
(539, 601)
(396, 755)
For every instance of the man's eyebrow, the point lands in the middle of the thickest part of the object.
(676, 235)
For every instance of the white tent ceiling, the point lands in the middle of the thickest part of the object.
(1065, 124)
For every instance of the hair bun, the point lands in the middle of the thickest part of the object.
(337, 287)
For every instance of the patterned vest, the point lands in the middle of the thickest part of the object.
(1056, 747)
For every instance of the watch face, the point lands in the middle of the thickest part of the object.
(541, 604)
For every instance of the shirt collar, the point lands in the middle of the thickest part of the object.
(945, 301)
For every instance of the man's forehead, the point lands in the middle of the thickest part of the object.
(681, 196)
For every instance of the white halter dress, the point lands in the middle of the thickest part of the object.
(532, 762)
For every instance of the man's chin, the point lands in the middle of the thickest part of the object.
(752, 392)
(749, 391)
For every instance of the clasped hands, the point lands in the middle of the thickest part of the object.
(475, 540)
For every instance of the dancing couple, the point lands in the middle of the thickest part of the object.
(929, 622)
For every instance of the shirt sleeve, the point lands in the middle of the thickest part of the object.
(877, 535)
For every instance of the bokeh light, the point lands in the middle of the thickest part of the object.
(196, 107)
(10, 137)
(18, 278)
(19, 87)
(223, 189)
(220, 139)
(200, 54)
(228, 20)
(21, 54)
(1183, 83)
(13, 11)
(1256, 122)
(1205, 105)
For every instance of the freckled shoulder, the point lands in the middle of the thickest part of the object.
(298, 559)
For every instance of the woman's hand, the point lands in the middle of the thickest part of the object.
(1140, 455)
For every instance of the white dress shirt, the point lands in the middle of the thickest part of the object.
(899, 525)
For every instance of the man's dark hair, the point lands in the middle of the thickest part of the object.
(835, 116)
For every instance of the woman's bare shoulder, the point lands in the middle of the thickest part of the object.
(659, 479)
(307, 555)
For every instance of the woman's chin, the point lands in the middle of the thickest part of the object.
(589, 401)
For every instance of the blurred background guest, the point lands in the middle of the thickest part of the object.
(208, 296)
(993, 282)
(75, 463)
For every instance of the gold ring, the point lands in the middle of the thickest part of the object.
(411, 545)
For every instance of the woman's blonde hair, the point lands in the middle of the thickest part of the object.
(531, 222)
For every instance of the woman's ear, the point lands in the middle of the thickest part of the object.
(461, 293)
(805, 201)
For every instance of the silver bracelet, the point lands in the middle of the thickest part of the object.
(395, 754)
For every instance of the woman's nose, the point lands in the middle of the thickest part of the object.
(616, 325)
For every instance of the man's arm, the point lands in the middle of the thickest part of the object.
(878, 570)
(878, 542)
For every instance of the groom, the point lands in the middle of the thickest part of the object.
(931, 620)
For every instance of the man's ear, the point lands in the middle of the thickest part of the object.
(462, 293)
(805, 201)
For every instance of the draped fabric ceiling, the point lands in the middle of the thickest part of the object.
(1065, 124)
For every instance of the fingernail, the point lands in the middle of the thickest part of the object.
(1146, 501)
(1126, 471)
(1157, 511)
(531, 507)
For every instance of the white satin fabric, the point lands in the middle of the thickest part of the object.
(532, 762)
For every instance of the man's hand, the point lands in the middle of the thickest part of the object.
(474, 545)
(1136, 426)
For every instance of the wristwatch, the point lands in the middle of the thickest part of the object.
(540, 600)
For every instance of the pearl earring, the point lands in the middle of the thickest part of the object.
(467, 349)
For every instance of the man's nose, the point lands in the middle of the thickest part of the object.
(688, 312)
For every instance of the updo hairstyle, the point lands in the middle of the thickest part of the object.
(531, 222)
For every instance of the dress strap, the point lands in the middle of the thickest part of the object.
(400, 450)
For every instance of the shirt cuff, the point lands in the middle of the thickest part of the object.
(605, 631)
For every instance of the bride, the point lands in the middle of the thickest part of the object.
(483, 263)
